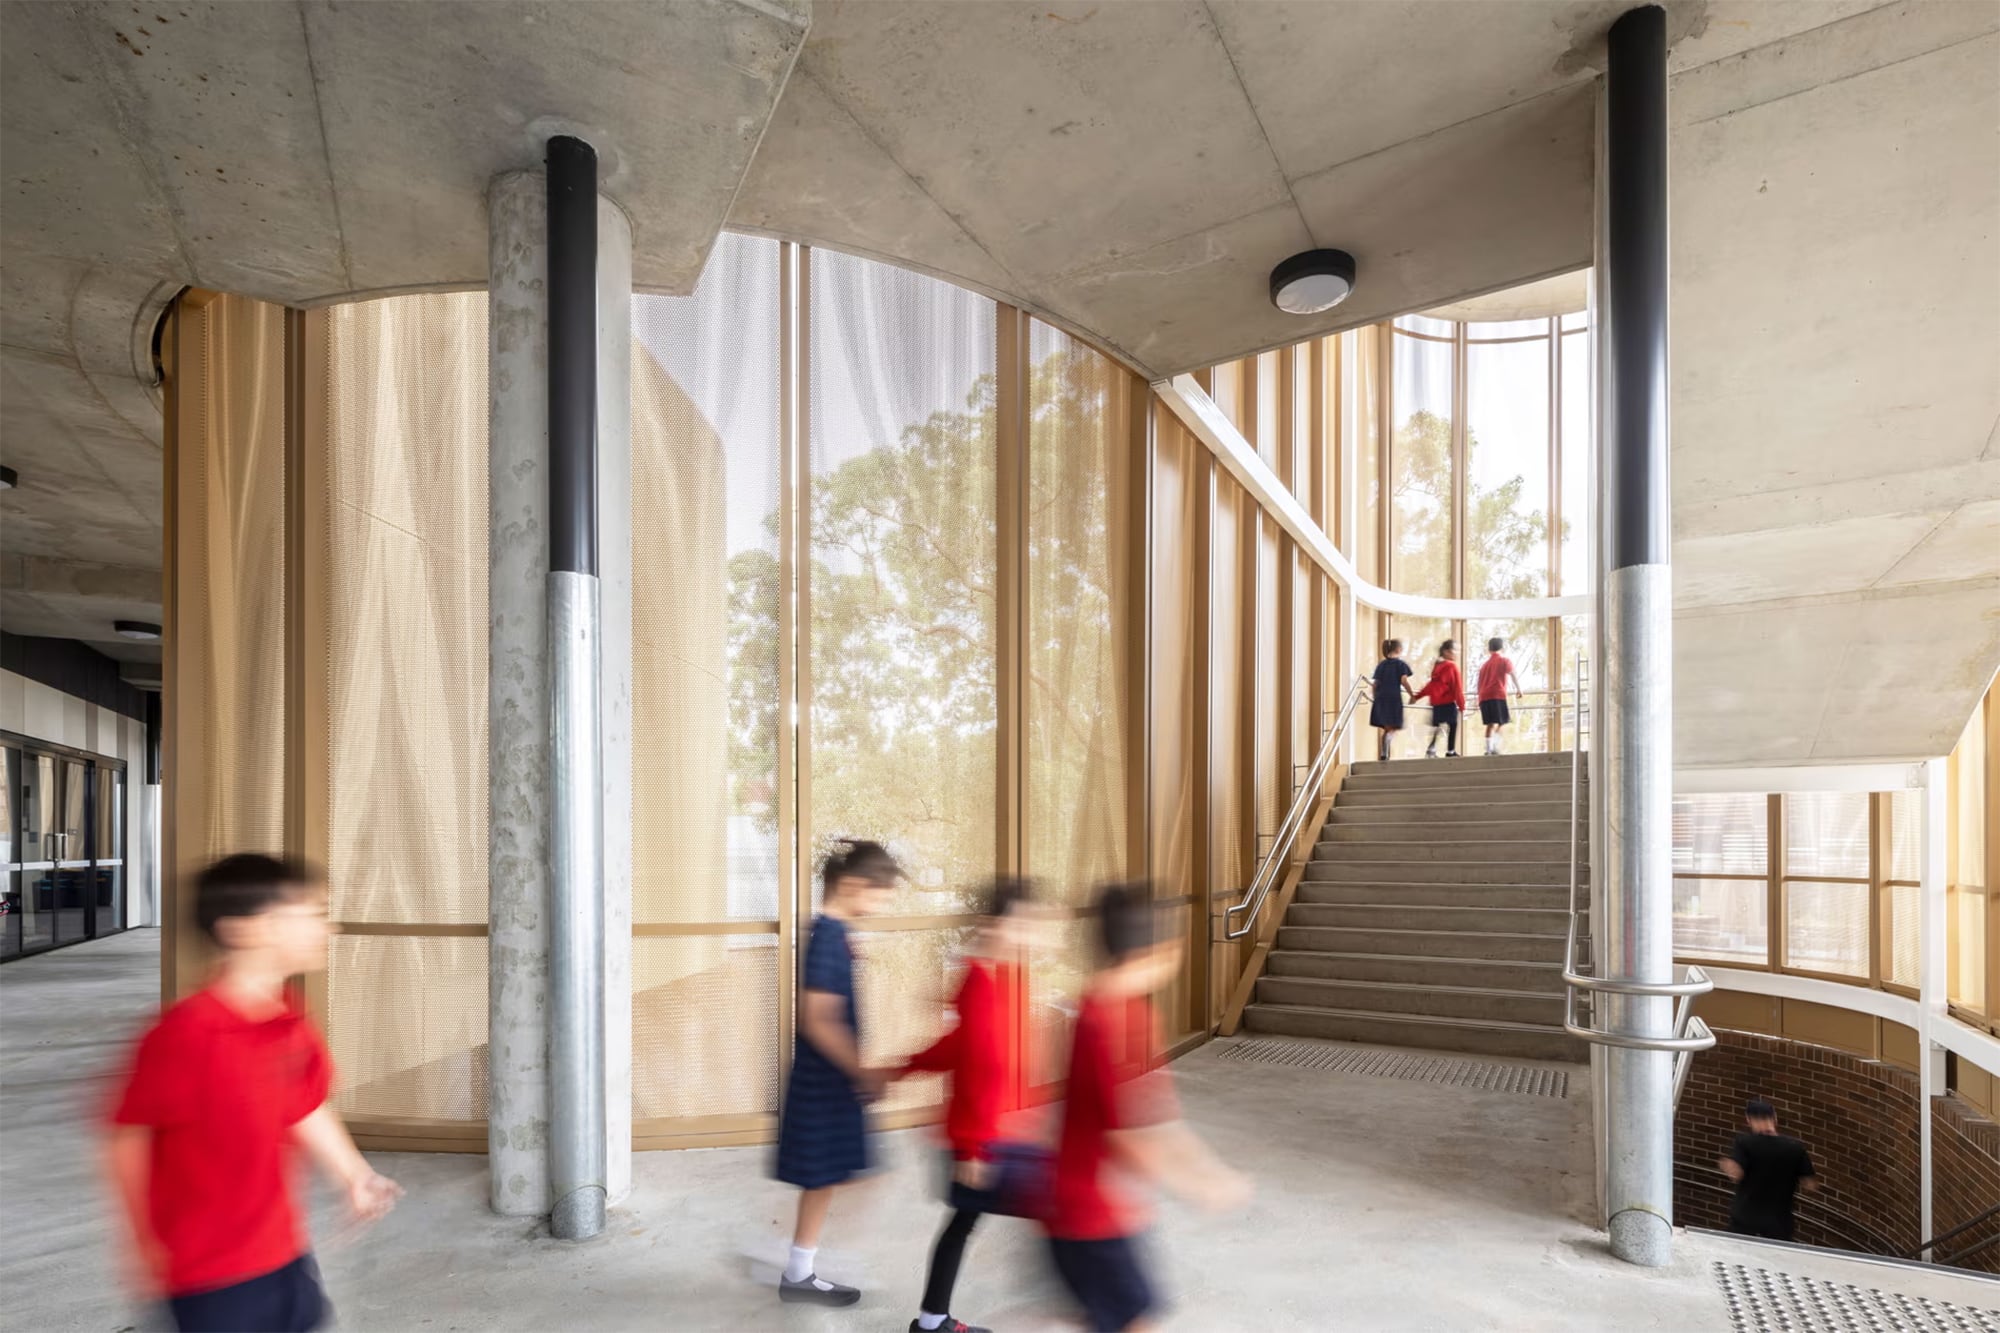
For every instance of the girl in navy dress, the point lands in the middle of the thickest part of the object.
(822, 1130)
(1392, 682)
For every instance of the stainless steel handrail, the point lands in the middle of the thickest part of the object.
(1271, 868)
(1690, 1034)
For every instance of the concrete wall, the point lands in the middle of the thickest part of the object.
(44, 713)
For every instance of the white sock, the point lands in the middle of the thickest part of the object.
(800, 1266)
(928, 1320)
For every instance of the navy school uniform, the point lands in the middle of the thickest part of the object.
(1388, 709)
(822, 1129)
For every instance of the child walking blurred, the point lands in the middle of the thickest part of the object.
(822, 1131)
(221, 1092)
(1446, 692)
(982, 1053)
(1392, 682)
(1494, 675)
(1121, 1125)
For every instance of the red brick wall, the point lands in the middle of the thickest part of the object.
(1965, 1179)
(1858, 1118)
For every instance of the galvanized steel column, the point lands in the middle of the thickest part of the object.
(578, 1158)
(1634, 936)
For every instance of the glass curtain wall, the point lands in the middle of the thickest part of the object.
(1972, 867)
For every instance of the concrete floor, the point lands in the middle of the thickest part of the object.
(1381, 1204)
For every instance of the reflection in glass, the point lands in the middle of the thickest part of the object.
(1721, 918)
(1727, 834)
(1826, 927)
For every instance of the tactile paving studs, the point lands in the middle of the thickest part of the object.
(1764, 1301)
(1529, 1080)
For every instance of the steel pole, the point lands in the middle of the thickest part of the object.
(578, 1154)
(1635, 609)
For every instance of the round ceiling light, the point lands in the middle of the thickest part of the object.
(1312, 281)
(137, 629)
(9, 479)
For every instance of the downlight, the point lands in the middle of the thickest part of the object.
(137, 629)
(1312, 281)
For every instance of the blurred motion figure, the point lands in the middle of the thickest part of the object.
(1121, 1126)
(982, 1053)
(220, 1093)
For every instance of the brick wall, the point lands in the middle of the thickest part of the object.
(1965, 1161)
(1858, 1118)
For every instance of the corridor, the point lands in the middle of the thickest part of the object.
(1382, 1203)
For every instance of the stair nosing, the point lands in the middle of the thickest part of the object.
(1494, 1024)
(1555, 967)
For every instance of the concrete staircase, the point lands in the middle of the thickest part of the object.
(1433, 913)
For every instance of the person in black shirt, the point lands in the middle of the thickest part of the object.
(1769, 1170)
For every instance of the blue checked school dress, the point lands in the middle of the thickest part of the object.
(822, 1129)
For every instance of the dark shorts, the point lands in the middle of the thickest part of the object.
(1493, 712)
(286, 1300)
(1444, 715)
(1108, 1279)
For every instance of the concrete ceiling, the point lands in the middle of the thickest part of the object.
(1130, 171)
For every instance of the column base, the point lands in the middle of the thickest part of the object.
(1642, 1238)
(578, 1215)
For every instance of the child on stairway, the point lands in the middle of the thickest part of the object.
(1445, 691)
(1392, 682)
(1495, 673)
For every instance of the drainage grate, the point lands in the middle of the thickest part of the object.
(1762, 1301)
(1531, 1080)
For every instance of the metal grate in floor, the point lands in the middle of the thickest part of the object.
(1530, 1080)
(1763, 1301)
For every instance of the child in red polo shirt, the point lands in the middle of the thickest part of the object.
(1122, 1125)
(221, 1090)
(983, 1056)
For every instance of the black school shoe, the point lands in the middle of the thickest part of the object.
(949, 1325)
(816, 1290)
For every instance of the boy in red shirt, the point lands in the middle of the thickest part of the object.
(983, 1056)
(1446, 692)
(1494, 674)
(1121, 1125)
(221, 1091)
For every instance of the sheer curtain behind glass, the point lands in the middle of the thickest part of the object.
(1420, 481)
(1826, 882)
(1966, 901)
(707, 592)
(1721, 850)
(405, 640)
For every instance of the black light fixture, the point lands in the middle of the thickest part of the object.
(8, 478)
(137, 629)
(1312, 281)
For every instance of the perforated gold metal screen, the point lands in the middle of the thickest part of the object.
(226, 660)
(401, 643)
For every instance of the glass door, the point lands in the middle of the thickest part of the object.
(10, 852)
(72, 895)
(107, 851)
(41, 841)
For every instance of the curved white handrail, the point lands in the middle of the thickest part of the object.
(1199, 414)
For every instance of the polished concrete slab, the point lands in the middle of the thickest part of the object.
(1381, 1204)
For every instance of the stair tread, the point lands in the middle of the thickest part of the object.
(1496, 992)
(1444, 1020)
(1414, 958)
(1482, 934)
(1400, 884)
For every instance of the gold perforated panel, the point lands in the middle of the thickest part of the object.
(407, 1026)
(903, 982)
(704, 1026)
(225, 778)
(405, 630)
(1077, 675)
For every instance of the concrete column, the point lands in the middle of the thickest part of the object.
(1634, 935)
(1933, 995)
(518, 778)
(614, 591)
